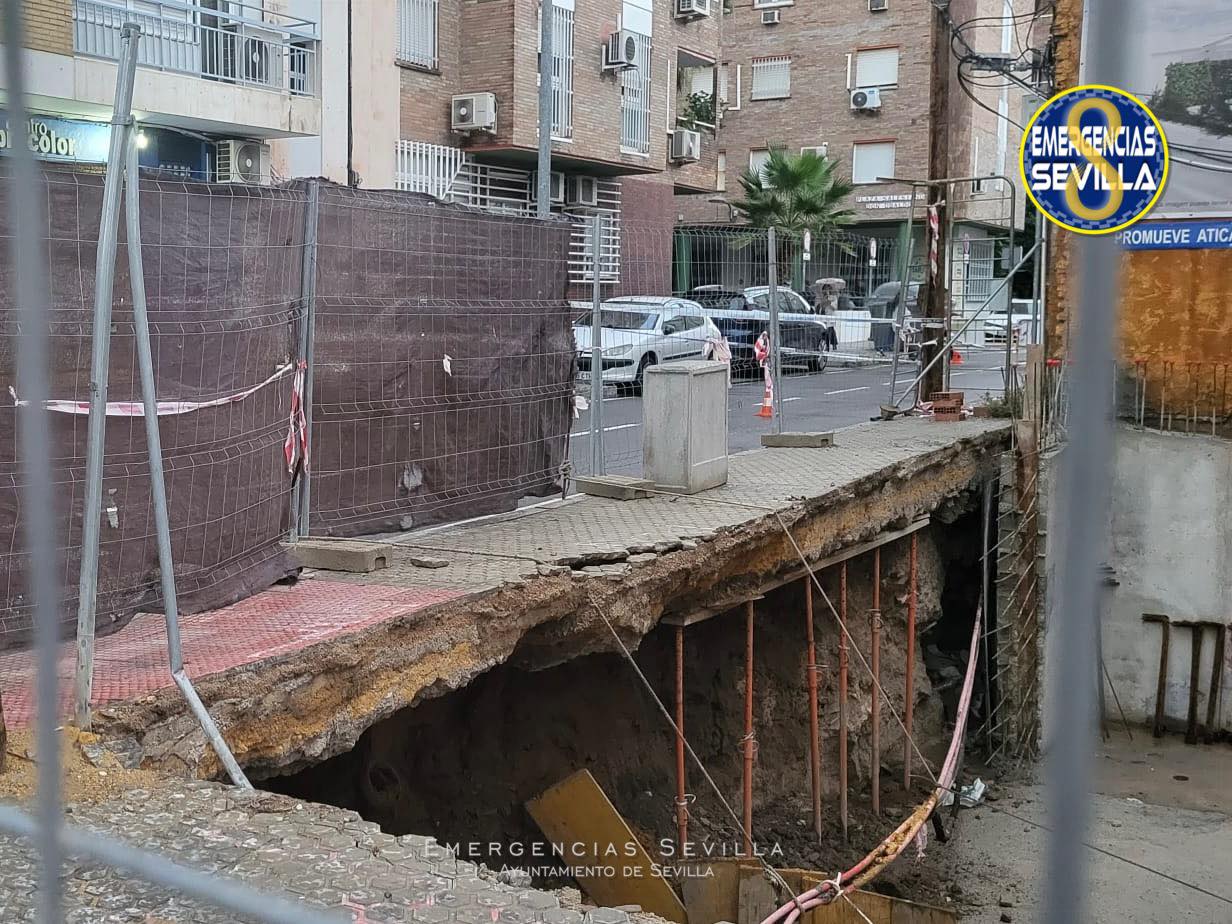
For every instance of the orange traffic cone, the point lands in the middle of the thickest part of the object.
(767, 401)
(955, 358)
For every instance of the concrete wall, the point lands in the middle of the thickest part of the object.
(1172, 552)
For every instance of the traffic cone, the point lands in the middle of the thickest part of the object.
(767, 401)
(955, 358)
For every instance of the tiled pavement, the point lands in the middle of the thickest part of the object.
(321, 856)
(481, 556)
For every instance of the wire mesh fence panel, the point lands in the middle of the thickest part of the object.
(444, 363)
(222, 268)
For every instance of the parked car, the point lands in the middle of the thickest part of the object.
(640, 331)
(1020, 320)
(883, 303)
(742, 315)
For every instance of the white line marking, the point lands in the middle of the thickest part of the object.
(843, 391)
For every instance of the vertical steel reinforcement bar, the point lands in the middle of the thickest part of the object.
(842, 696)
(300, 496)
(986, 597)
(814, 730)
(750, 743)
(682, 805)
(909, 694)
(158, 487)
(100, 359)
(27, 255)
(875, 709)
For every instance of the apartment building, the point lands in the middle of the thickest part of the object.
(441, 97)
(854, 80)
(217, 81)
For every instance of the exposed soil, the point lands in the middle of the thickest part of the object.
(89, 773)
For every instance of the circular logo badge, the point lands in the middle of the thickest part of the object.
(1094, 159)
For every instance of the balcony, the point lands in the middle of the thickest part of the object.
(243, 45)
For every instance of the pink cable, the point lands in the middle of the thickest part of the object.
(825, 893)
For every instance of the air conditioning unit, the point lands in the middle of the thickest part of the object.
(878, 6)
(248, 54)
(865, 100)
(620, 51)
(821, 150)
(690, 9)
(582, 190)
(771, 17)
(473, 112)
(686, 146)
(556, 187)
(242, 162)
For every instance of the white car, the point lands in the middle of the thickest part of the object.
(1020, 318)
(640, 331)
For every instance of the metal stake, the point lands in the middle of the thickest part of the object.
(301, 496)
(988, 618)
(158, 488)
(100, 358)
(875, 657)
(814, 730)
(682, 806)
(909, 702)
(597, 461)
(842, 696)
(750, 744)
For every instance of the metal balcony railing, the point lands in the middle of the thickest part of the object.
(239, 44)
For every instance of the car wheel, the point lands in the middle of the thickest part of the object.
(820, 357)
(647, 360)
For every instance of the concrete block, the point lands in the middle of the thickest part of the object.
(684, 432)
(798, 440)
(620, 487)
(353, 555)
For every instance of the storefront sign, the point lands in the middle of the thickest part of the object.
(885, 202)
(58, 139)
(1178, 235)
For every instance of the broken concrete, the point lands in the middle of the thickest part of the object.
(289, 712)
(797, 440)
(355, 555)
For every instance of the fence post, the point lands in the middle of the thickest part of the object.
(900, 312)
(302, 495)
(597, 464)
(100, 359)
(158, 487)
(776, 354)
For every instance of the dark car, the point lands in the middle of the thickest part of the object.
(741, 320)
(883, 303)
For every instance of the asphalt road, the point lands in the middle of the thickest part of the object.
(837, 397)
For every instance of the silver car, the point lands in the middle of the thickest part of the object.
(640, 331)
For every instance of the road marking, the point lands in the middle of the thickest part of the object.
(785, 400)
(843, 391)
(605, 429)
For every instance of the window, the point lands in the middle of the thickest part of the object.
(877, 67)
(720, 175)
(417, 32)
(764, 4)
(771, 78)
(870, 160)
(562, 68)
(729, 85)
(758, 160)
(635, 100)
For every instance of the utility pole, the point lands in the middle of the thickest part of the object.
(935, 295)
(543, 184)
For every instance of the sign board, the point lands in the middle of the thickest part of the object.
(63, 140)
(1178, 235)
(1179, 62)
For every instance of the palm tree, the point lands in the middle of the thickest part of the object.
(795, 193)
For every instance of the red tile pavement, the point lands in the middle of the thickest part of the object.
(133, 662)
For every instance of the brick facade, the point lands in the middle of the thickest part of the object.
(49, 25)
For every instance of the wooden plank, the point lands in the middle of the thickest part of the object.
(758, 900)
(577, 812)
(712, 891)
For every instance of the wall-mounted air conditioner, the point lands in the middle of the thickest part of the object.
(866, 100)
(686, 146)
(771, 17)
(690, 9)
(878, 6)
(582, 190)
(620, 51)
(821, 150)
(242, 162)
(473, 112)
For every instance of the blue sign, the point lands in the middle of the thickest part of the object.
(1178, 235)
(65, 140)
(1094, 159)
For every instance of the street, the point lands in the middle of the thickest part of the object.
(838, 397)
